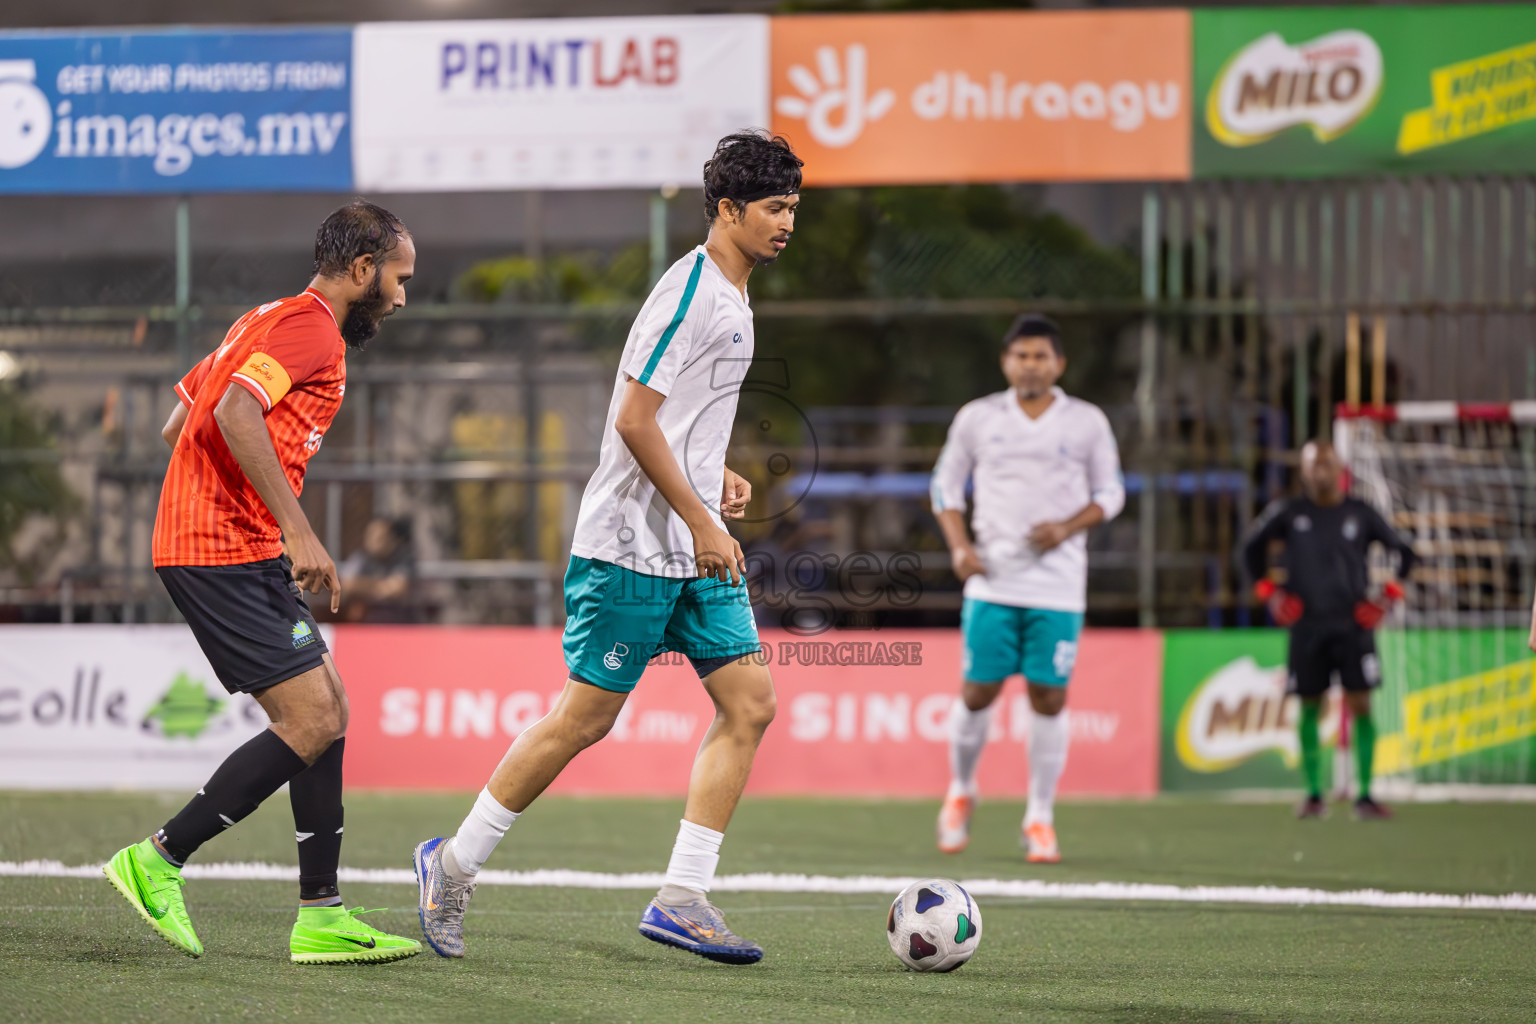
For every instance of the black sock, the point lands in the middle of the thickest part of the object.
(316, 797)
(238, 786)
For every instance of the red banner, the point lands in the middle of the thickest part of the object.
(860, 714)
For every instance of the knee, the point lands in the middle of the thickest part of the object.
(578, 732)
(750, 715)
(330, 724)
(977, 697)
(1047, 700)
(760, 711)
(323, 728)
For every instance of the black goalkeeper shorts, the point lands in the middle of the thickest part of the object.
(250, 620)
(1318, 651)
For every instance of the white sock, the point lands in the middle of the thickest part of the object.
(487, 822)
(694, 857)
(967, 737)
(1049, 736)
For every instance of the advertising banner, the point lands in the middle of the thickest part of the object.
(176, 111)
(991, 96)
(1454, 706)
(107, 707)
(1296, 92)
(859, 713)
(1462, 705)
(1227, 722)
(559, 103)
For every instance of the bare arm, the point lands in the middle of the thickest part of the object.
(946, 494)
(716, 552)
(240, 419)
(171, 432)
(962, 553)
(1047, 535)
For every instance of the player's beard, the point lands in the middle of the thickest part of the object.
(366, 314)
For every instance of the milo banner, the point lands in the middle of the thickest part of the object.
(1304, 92)
(1455, 706)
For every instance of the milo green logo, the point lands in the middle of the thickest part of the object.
(184, 710)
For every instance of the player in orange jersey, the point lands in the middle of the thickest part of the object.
(251, 415)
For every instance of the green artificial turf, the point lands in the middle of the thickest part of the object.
(72, 950)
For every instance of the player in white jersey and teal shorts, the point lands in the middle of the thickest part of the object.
(1044, 469)
(653, 568)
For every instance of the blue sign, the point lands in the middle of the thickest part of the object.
(181, 111)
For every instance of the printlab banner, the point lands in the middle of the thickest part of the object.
(987, 96)
(859, 713)
(1305, 92)
(109, 707)
(176, 111)
(560, 103)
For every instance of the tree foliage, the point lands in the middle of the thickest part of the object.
(30, 482)
(897, 243)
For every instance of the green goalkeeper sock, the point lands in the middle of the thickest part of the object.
(1365, 752)
(1311, 757)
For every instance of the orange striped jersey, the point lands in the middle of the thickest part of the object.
(290, 355)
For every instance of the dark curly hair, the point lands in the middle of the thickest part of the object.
(1035, 325)
(358, 229)
(748, 166)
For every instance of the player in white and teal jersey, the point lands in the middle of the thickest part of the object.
(1044, 468)
(652, 566)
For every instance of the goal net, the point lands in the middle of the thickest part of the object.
(1457, 704)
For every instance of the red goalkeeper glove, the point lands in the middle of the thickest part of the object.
(1284, 606)
(1368, 614)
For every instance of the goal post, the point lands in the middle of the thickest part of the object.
(1457, 706)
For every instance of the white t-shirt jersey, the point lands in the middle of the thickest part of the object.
(1028, 472)
(693, 343)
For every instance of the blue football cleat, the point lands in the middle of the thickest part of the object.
(698, 928)
(441, 901)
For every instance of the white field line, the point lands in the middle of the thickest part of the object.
(1016, 888)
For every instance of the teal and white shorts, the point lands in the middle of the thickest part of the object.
(617, 620)
(1001, 640)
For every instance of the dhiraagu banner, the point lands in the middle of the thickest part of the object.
(1302, 92)
(1455, 706)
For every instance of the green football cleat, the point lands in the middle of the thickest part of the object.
(334, 935)
(152, 885)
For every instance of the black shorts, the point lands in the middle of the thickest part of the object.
(1317, 652)
(250, 620)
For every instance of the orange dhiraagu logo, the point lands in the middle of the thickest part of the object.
(1474, 97)
(1328, 83)
(996, 96)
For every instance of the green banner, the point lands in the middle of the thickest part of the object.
(1336, 91)
(1455, 706)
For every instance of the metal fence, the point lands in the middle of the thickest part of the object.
(1258, 306)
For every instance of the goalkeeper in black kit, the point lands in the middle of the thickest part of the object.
(1326, 603)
